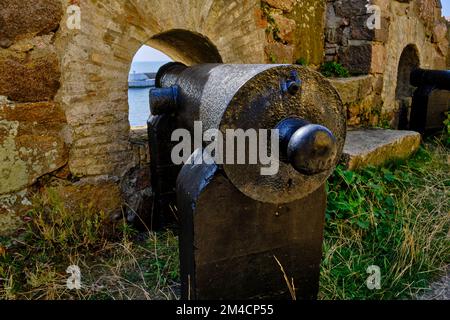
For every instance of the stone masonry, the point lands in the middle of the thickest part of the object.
(63, 90)
(376, 52)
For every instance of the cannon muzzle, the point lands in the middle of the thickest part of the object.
(310, 148)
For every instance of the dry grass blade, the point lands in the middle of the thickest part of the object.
(290, 283)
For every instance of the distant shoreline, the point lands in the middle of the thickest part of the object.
(146, 66)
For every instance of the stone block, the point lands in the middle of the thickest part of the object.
(353, 89)
(29, 76)
(356, 58)
(375, 147)
(24, 19)
(285, 5)
(285, 26)
(279, 52)
(31, 143)
(350, 8)
(378, 60)
(360, 31)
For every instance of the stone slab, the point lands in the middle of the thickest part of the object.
(375, 147)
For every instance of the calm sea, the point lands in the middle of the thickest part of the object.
(138, 98)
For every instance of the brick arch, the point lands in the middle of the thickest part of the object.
(409, 60)
(186, 46)
(96, 60)
(408, 27)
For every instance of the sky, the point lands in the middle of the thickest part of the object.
(446, 8)
(147, 53)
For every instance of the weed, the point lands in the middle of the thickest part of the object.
(334, 69)
(272, 28)
(447, 129)
(130, 266)
(302, 62)
(272, 58)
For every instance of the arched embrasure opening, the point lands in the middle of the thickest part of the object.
(186, 46)
(141, 80)
(174, 45)
(409, 60)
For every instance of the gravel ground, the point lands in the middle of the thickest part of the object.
(439, 290)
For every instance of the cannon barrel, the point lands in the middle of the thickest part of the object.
(426, 82)
(439, 79)
(235, 222)
(299, 102)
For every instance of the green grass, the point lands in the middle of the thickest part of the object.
(396, 217)
(116, 262)
(334, 69)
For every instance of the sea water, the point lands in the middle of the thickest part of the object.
(138, 99)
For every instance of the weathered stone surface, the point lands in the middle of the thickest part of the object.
(353, 89)
(357, 59)
(285, 5)
(440, 32)
(377, 146)
(29, 76)
(279, 53)
(11, 207)
(31, 143)
(139, 142)
(360, 31)
(285, 26)
(22, 19)
(350, 8)
(378, 60)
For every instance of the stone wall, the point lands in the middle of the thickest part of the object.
(412, 23)
(377, 52)
(349, 41)
(63, 106)
(63, 91)
(292, 30)
(361, 96)
(33, 126)
(448, 39)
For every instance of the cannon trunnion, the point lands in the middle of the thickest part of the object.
(241, 224)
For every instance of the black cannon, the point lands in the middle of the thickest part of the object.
(245, 230)
(426, 82)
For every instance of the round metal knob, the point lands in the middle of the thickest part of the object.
(312, 149)
(309, 148)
